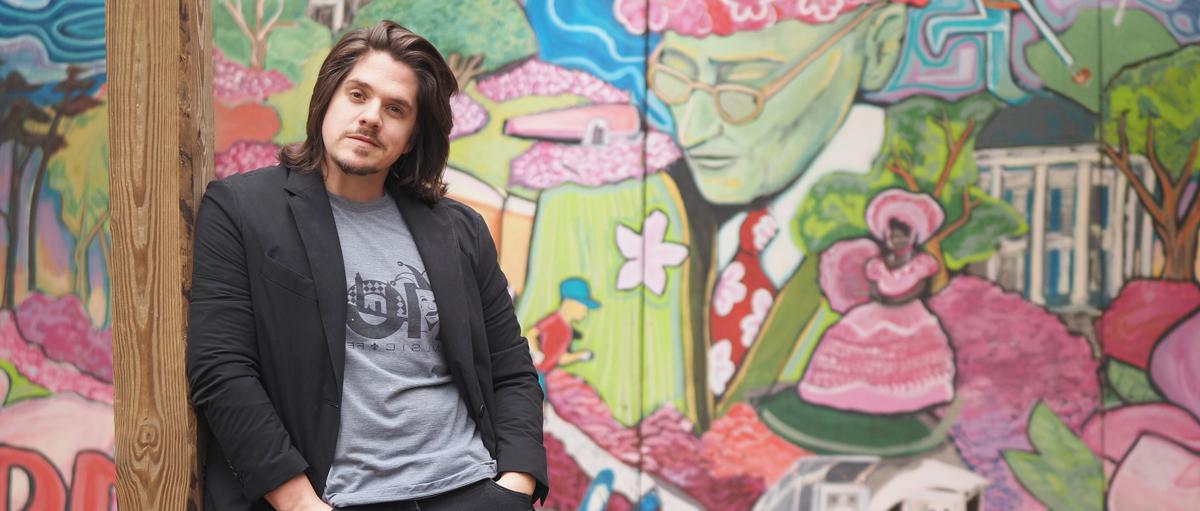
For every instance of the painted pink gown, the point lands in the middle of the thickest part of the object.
(884, 358)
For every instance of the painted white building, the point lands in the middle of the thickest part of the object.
(1088, 234)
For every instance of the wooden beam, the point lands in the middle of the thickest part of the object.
(160, 140)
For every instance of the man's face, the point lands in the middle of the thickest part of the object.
(735, 163)
(370, 119)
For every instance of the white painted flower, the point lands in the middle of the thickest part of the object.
(748, 10)
(820, 10)
(647, 255)
(760, 304)
(720, 365)
(729, 290)
(764, 231)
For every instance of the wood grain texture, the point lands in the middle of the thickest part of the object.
(160, 126)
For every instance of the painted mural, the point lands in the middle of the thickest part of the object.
(56, 414)
(817, 254)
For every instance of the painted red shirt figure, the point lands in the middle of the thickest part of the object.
(551, 337)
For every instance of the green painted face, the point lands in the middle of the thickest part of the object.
(805, 78)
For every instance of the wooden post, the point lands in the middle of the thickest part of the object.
(160, 140)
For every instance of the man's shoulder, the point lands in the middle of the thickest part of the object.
(459, 213)
(257, 179)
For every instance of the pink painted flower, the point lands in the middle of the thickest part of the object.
(729, 290)
(689, 17)
(1152, 451)
(648, 254)
(701, 18)
(1175, 364)
(720, 366)
(760, 305)
(245, 156)
(1156, 474)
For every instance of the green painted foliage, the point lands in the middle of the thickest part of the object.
(290, 47)
(232, 41)
(916, 142)
(19, 387)
(292, 104)
(990, 221)
(496, 29)
(80, 175)
(1131, 384)
(834, 210)
(1164, 93)
(1063, 473)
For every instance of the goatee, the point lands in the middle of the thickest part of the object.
(355, 170)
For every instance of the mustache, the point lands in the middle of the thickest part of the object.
(368, 134)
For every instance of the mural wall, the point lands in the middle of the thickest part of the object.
(56, 415)
(772, 254)
(817, 254)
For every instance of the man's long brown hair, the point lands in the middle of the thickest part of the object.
(420, 170)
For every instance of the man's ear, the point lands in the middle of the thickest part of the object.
(882, 45)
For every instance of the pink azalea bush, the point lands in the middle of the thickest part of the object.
(54, 375)
(720, 470)
(244, 156)
(469, 116)
(1010, 354)
(547, 165)
(62, 328)
(538, 78)
(570, 481)
(234, 83)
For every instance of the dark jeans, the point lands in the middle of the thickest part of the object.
(483, 495)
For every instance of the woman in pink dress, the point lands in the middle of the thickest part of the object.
(888, 354)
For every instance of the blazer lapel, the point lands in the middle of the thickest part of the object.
(314, 219)
(434, 236)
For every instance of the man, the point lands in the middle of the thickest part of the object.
(551, 337)
(766, 97)
(351, 342)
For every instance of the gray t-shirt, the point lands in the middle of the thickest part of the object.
(405, 432)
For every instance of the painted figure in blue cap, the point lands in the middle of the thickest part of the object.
(551, 337)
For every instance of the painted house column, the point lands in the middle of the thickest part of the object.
(1037, 236)
(1146, 266)
(1081, 262)
(996, 173)
(1117, 217)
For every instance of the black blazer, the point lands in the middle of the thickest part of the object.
(266, 333)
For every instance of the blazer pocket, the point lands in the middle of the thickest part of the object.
(282, 276)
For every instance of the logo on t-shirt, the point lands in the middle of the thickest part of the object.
(378, 309)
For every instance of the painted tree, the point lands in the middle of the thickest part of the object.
(243, 30)
(80, 176)
(16, 113)
(928, 148)
(1151, 110)
(74, 101)
(476, 37)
